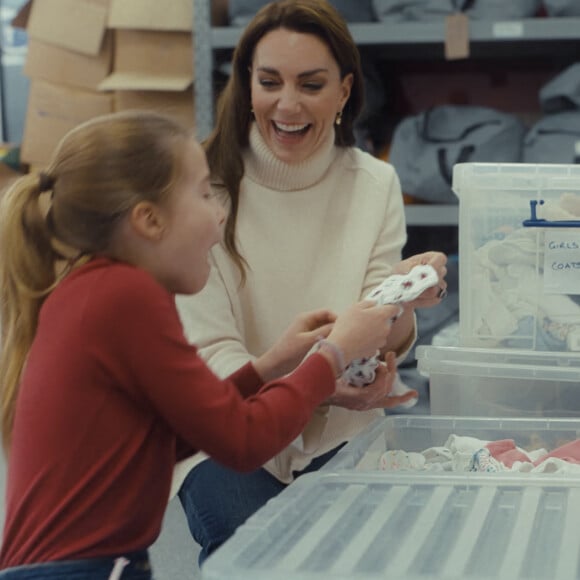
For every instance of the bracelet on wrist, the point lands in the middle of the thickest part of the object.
(336, 353)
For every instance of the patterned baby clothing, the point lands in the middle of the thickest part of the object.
(395, 289)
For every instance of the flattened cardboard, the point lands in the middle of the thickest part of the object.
(177, 104)
(152, 14)
(78, 25)
(144, 82)
(59, 65)
(53, 110)
(151, 60)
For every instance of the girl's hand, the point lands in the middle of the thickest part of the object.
(373, 396)
(289, 350)
(363, 329)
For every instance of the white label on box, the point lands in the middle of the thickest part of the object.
(562, 262)
(573, 339)
(508, 29)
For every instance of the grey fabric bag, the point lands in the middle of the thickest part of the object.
(427, 146)
(554, 139)
(562, 7)
(409, 10)
(562, 93)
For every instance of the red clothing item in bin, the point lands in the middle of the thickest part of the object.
(111, 397)
(569, 452)
(506, 452)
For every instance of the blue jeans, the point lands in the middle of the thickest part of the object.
(138, 568)
(217, 500)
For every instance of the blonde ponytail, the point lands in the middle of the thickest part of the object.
(27, 275)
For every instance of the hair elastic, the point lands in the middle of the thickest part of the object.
(45, 182)
(336, 353)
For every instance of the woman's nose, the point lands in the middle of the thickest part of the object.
(289, 100)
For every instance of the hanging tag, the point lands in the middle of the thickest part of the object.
(457, 36)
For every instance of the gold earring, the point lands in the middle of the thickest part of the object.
(338, 119)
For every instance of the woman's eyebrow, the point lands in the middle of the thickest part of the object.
(268, 69)
(306, 73)
(314, 71)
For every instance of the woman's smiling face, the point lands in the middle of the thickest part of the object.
(296, 93)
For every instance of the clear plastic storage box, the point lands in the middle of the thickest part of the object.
(366, 526)
(417, 433)
(519, 253)
(500, 383)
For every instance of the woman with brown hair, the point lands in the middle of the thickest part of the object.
(313, 220)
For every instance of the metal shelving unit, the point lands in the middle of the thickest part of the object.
(534, 36)
(377, 33)
(203, 67)
(432, 215)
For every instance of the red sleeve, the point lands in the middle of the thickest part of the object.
(151, 358)
(247, 380)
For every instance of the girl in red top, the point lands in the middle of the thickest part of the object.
(101, 392)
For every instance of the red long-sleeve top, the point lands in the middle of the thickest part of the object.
(111, 396)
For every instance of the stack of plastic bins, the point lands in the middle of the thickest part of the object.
(351, 520)
(519, 295)
(519, 355)
(370, 526)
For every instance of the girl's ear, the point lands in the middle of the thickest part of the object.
(147, 220)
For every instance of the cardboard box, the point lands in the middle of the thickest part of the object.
(177, 104)
(22, 16)
(151, 60)
(152, 14)
(53, 110)
(78, 25)
(62, 66)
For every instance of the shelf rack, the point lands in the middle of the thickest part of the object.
(533, 35)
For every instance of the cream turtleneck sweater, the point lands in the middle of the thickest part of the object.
(319, 234)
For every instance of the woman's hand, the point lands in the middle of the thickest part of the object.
(289, 350)
(375, 395)
(432, 296)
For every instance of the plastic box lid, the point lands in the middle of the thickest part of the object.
(512, 177)
(416, 433)
(498, 363)
(369, 526)
(465, 381)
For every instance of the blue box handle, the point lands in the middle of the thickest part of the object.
(536, 222)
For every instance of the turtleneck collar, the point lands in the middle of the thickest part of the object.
(263, 167)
